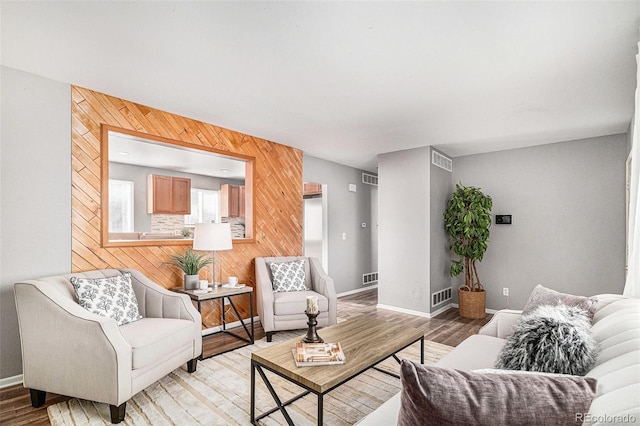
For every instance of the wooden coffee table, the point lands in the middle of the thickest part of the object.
(365, 342)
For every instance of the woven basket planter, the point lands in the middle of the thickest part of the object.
(472, 304)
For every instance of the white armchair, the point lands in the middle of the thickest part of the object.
(70, 351)
(285, 310)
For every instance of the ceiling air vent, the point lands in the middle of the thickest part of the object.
(442, 161)
(370, 179)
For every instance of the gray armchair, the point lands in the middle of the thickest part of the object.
(285, 310)
(70, 351)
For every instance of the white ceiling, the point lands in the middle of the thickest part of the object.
(137, 151)
(345, 81)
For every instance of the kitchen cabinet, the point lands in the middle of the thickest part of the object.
(168, 194)
(241, 200)
(312, 188)
(232, 200)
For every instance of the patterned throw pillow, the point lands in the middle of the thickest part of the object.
(288, 276)
(110, 297)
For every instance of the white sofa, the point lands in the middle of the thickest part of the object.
(616, 328)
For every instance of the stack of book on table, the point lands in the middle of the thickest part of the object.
(312, 354)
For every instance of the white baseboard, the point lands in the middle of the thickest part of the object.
(11, 381)
(358, 290)
(425, 314)
(247, 322)
(404, 311)
(444, 308)
(489, 311)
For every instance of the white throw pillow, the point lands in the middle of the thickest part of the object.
(288, 276)
(110, 297)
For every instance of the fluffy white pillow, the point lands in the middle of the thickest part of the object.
(551, 339)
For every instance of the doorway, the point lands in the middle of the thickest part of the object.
(315, 222)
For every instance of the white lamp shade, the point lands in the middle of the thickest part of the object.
(212, 236)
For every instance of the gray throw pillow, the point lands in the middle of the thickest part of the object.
(110, 297)
(545, 296)
(552, 339)
(443, 396)
(288, 276)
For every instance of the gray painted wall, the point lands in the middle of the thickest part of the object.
(35, 193)
(403, 234)
(567, 201)
(350, 258)
(440, 191)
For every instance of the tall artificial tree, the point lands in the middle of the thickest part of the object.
(467, 221)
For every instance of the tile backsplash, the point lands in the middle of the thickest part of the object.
(174, 224)
(167, 223)
(237, 226)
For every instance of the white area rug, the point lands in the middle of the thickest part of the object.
(218, 393)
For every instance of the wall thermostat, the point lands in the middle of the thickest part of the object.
(503, 219)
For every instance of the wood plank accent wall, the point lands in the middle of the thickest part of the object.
(277, 194)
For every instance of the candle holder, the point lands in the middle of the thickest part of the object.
(312, 334)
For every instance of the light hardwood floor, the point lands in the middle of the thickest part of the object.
(447, 328)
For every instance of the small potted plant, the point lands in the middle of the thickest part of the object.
(190, 263)
(467, 220)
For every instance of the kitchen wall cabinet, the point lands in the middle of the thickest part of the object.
(241, 201)
(232, 200)
(168, 194)
(311, 188)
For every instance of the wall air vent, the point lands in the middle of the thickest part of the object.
(442, 161)
(370, 179)
(441, 296)
(370, 278)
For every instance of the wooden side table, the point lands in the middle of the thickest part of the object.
(228, 294)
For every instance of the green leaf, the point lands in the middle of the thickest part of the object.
(456, 268)
(189, 262)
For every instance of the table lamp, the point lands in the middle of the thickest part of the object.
(212, 237)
